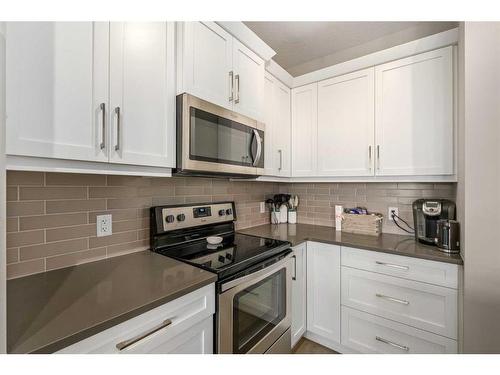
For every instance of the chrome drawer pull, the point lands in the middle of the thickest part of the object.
(401, 301)
(388, 342)
(294, 277)
(125, 344)
(393, 265)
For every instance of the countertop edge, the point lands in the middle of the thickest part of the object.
(380, 250)
(93, 330)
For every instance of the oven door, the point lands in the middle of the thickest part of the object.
(254, 310)
(212, 139)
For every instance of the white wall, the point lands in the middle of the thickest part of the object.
(3, 294)
(481, 186)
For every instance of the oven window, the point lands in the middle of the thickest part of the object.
(257, 310)
(219, 140)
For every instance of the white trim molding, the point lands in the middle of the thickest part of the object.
(29, 163)
(443, 39)
(367, 179)
(278, 72)
(246, 36)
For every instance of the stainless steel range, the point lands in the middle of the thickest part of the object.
(254, 273)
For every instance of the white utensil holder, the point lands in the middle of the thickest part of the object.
(292, 217)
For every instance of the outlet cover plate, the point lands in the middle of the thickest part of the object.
(389, 213)
(262, 207)
(104, 225)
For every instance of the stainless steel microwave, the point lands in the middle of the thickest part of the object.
(212, 140)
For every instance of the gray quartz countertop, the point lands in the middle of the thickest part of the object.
(387, 243)
(49, 311)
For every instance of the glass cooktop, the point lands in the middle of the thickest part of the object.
(236, 252)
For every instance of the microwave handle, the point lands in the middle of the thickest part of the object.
(258, 153)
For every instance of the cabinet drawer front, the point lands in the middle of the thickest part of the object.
(429, 307)
(427, 271)
(368, 333)
(183, 313)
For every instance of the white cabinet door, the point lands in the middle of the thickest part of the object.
(346, 125)
(304, 130)
(277, 118)
(248, 82)
(270, 152)
(57, 79)
(197, 339)
(184, 325)
(142, 89)
(323, 290)
(206, 62)
(414, 115)
(299, 301)
(282, 136)
(368, 333)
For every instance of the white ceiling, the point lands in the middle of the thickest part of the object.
(303, 47)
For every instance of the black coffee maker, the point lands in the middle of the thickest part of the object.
(426, 213)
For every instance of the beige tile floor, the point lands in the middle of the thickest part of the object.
(305, 346)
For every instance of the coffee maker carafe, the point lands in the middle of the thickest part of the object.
(427, 213)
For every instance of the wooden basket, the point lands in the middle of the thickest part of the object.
(362, 224)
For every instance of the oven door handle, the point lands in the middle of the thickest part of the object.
(268, 271)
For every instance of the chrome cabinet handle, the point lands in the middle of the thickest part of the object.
(378, 157)
(281, 160)
(237, 79)
(259, 147)
(406, 268)
(370, 157)
(294, 277)
(231, 85)
(401, 301)
(103, 134)
(125, 344)
(391, 343)
(118, 126)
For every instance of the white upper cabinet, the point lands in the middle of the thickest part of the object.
(57, 89)
(278, 126)
(304, 130)
(414, 115)
(282, 121)
(58, 103)
(269, 106)
(249, 72)
(216, 67)
(142, 93)
(206, 59)
(346, 125)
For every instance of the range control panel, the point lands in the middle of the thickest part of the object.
(196, 215)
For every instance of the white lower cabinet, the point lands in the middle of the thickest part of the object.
(299, 295)
(368, 333)
(425, 306)
(182, 326)
(361, 301)
(323, 291)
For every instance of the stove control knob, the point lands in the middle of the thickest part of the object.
(222, 259)
(181, 217)
(170, 218)
(229, 211)
(222, 212)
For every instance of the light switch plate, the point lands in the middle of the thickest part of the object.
(104, 225)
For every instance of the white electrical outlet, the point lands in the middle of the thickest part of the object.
(389, 213)
(104, 225)
(262, 207)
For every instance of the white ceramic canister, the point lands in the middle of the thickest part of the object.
(292, 217)
(283, 213)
